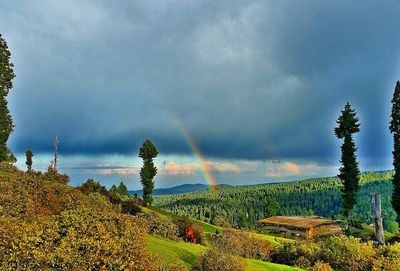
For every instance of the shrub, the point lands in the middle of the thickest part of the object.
(54, 175)
(320, 266)
(75, 240)
(131, 206)
(8, 167)
(221, 222)
(347, 253)
(216, 260)
(303, 262)
(292, 252)
(164, 227)
(91, 186)
(388, 259)
(243, 244)
(188, 231)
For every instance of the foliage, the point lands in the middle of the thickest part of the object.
(271, 207)
(8, 167)
(389, 258)
(91, 186)
(189, 231)
(75, 240)
(243, 244)
(395, 130)
(347, 253)
(53, 174)
(349, 171)
(242, 206)
(147, 152)
(296, 253)
(46, 225)
(164, 227)
(216, 260)
(28, 161)
(131, 206)
(320, 266)
(221, 222)
(121, 190)
(393, 227)
(6, 122)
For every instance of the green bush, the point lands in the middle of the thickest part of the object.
(216, 260)
(320, 266)
(54, 175)
(296, 253)
(164, 227)
(75, 240)
(243, 244)
(131, 206)
(348, 253)
(388, 259)
(8, 167)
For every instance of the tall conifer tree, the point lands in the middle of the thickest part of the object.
(395, 130)
(28, 161)
(6, 123)
(349, 171)
(148, 171)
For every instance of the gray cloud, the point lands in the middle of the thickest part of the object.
(248, 79)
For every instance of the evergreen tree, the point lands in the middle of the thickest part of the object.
(6, 123)
(122, 189)
(28, 161)
(395, 130)
(113, 189)
(271, 206)
(147, 152)
(349, 171)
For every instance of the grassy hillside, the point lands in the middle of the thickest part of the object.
(47, 224)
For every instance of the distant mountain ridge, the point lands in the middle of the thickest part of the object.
(179, 189)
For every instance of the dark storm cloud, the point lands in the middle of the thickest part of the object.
(248, 79)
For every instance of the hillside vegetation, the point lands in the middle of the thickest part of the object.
(242, 206)
(48, 225)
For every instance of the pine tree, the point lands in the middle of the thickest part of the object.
(349, 171)
(147, 152)
(122, 189)
(6, 123)
(113, 189)
(28, 161)
(395, 130)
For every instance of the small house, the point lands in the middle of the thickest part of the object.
(307, 226)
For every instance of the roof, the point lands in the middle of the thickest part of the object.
(297, 221)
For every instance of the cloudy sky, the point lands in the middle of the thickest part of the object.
(258, 85)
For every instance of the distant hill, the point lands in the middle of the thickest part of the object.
(242, 206)
(184, 188)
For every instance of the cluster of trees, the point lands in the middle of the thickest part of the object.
(348, 124)
(242, 206)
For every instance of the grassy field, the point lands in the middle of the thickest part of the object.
(188, 254)
(255, 265)
(173, 252)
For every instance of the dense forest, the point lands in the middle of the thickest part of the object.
(242, 206)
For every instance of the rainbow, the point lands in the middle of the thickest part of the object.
(205, 168)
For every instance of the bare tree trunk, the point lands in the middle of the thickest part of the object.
(350, 221)
(377, 217)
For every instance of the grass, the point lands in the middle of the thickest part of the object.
(256, 265)
(173, 251)
(210, 229)
(188, 253)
